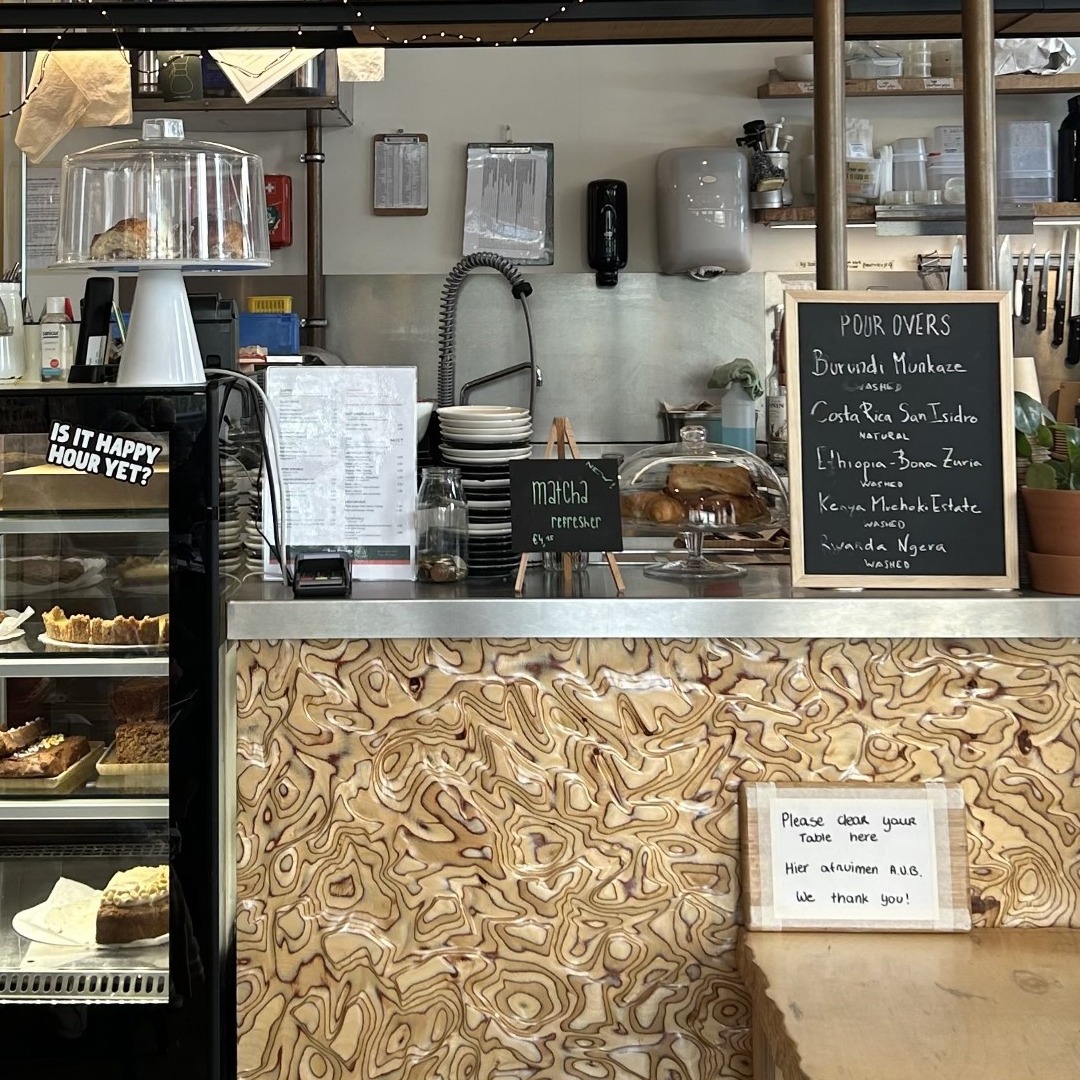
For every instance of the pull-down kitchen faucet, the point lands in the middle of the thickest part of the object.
(448, 325)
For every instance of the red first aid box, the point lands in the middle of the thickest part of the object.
(279, 209)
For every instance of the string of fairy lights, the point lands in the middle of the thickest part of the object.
(431, 38)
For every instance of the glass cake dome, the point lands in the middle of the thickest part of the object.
(698, 489)
(162, 200)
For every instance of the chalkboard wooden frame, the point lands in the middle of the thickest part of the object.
(760, 807)
(999, 316)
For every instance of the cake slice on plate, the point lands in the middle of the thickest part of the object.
(134, 906)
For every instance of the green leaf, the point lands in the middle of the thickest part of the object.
(1023, 445)
(1044, 436)
(1028, 414)
(1041, 474)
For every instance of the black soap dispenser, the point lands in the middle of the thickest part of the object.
(1068, 159)
(606, 229)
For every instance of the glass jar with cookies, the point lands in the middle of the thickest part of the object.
(697, 489)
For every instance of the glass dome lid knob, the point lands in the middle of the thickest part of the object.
(158, 128)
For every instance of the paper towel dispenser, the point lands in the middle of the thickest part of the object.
(703, 209)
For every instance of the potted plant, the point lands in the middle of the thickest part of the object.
(1051, 494)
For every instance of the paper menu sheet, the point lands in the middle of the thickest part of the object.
(508, 202)
(42, 217)
(348, 465)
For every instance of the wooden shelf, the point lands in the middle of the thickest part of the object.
(860, 215)
(267, 113)
(937, 86)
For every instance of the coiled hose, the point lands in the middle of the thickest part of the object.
(448, 315)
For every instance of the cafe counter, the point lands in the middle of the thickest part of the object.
(486, 836)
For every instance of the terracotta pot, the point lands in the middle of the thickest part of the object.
(1055, 573)
(1054, 520)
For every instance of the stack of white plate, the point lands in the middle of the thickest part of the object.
(481, 441)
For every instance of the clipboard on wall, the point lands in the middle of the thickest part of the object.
(400, 175)
(510, 201)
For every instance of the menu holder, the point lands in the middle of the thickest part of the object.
(595, 497)
(902, 462)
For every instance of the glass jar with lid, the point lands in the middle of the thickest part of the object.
(442, 527)
(696, 489)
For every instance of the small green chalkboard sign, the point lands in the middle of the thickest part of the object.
(568, 505)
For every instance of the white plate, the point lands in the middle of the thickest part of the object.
(482, 412)
(453, 453)
(13, 636)
(79, 903)
(467, 439)
(481, 484)
(495, 504)
(489, 530)
(486, 425)
(517, 431)
(46, 640)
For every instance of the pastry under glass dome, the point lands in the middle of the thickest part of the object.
(160, 200)
(697, 489)
(162, 205)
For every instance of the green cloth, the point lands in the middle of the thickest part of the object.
(737, 371)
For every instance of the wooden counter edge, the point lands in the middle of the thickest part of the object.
(775, 1055)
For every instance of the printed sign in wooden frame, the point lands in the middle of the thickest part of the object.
(907, 390)
(854, 856)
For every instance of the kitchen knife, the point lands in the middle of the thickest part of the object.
(1027, 289)
(1059, 297)
(1044, 293)
(956, 267)
(1005, 270)
(1072, 354)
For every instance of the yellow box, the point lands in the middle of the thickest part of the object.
(269, 305)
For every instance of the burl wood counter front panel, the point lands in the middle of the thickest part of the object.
(470, 860)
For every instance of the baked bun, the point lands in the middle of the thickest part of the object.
(227, 243)
(709, 480)
(127, 239)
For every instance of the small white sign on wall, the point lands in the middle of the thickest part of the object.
(854, 857)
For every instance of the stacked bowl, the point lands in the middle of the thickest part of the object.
(481, 441)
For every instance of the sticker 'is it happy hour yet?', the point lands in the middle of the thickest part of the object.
(102, 453)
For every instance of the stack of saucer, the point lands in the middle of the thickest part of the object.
(481, 441)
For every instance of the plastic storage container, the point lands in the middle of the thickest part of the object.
(697, 488)
(947, 139)
(162, 199)
(943, 167)
(703, 211)
(278, 334)
(1026, 161)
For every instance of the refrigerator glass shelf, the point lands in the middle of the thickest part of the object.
(82, 808)
(37, 524)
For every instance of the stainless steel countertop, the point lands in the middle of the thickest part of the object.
(762, 604)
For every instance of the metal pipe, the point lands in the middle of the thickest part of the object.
(980, 143)
(831, 239)
(314, 158)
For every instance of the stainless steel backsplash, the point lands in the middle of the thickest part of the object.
(608, 356)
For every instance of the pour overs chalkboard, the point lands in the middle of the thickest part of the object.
(902, 450)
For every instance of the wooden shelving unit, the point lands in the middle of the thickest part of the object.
(866, 215)
(937, 86)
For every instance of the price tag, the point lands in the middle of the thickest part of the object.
(939, 84)
(855, 857)
(889, 84)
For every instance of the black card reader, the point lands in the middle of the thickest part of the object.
(322, 573)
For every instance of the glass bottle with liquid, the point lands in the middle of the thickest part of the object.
(57, 340)
(442, 527)
(776, 420)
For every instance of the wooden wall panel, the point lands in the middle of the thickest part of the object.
(481, 860)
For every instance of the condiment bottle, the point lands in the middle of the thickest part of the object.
(1068, 159)
(442, 527)
(57, 344)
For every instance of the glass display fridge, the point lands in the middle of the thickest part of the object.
(116, 845)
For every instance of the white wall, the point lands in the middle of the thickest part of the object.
(610, 110)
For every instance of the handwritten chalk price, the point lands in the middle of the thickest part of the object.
(102, 453)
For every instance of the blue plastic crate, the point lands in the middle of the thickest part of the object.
(278, 334)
